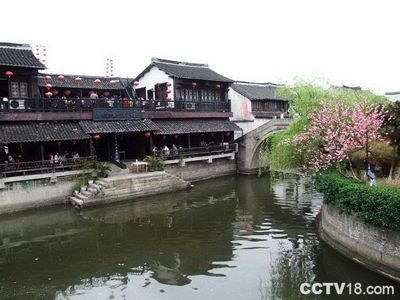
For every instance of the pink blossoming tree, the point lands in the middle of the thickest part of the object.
(336, 131)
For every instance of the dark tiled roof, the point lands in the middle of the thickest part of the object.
(268, 114)
(40, 132)
(194, 126)
(257, 91)
(15, 55)
(186, 70)
(118, 126)
(86, 83)
(392, 93)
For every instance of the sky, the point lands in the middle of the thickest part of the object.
(332, 41)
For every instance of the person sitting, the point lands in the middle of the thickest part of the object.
(11, 159)
(166, 151)
(94, 96)
(155, 151)
(203, 143)
(175, 151)
(56, 158)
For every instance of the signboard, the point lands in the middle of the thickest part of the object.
(116, 114)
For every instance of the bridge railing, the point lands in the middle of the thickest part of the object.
(195, 151)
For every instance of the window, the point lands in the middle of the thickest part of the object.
(19, 89)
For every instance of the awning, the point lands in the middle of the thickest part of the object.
(194, 126)
(124, 126)
(40, 132)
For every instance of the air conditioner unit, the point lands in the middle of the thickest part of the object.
(16, 104)
(190, 106)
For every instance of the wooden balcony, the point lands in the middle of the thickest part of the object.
(83, 105)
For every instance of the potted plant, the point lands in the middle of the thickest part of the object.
(102, 169)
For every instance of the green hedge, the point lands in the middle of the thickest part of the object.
(375, 205)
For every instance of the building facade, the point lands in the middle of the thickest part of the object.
(254, 104)
(47, 121)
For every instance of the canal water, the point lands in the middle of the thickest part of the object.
(229, 238)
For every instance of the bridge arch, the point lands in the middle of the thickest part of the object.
(248, 160)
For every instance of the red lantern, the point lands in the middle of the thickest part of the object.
(97, 81)
(169, 83)
(9, 74)
(49, 94)
(106, 93)
(218, 86)
(47, 77)
(78, 79)
(112, 81)
(60, 77)
(55, 92)
(168, 91)
(48, 86)
(194, 84)
(96, 137)
(136, 83)
(67, 92)
(147, 134)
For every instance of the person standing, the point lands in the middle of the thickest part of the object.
(369, 167)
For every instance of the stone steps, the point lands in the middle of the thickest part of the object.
(128, 186)
(76, 202)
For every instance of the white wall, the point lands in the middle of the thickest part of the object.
(154, 75)
(240, 106)
(242, 116)
(248, 126)
(395, 97)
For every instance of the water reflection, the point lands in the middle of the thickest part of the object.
(242, 238)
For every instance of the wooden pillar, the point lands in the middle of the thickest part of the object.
(189, 140)
(91, 147)
(42, 151)
(151, 144)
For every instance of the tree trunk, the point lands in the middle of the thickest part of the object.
(393, 162)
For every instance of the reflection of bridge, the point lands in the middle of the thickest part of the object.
(248, 160)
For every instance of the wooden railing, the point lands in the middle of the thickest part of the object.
(196, 151)
(20, 105)
(45, 166)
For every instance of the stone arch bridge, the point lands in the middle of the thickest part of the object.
(247, 158)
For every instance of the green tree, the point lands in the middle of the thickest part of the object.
(306, 99)
(392, 130)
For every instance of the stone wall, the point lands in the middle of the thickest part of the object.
(135, 185)
(34, 193)
(375, 247)
(38, 192)
(202, 170)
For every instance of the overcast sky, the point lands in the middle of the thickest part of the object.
(343, 41)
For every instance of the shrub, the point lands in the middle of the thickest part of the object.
(375, 205)
(156, 163)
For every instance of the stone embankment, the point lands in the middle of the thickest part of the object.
(375, 247)
(127, 186)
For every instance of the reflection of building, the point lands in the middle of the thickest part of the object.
(125, 239)
(254, 104)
